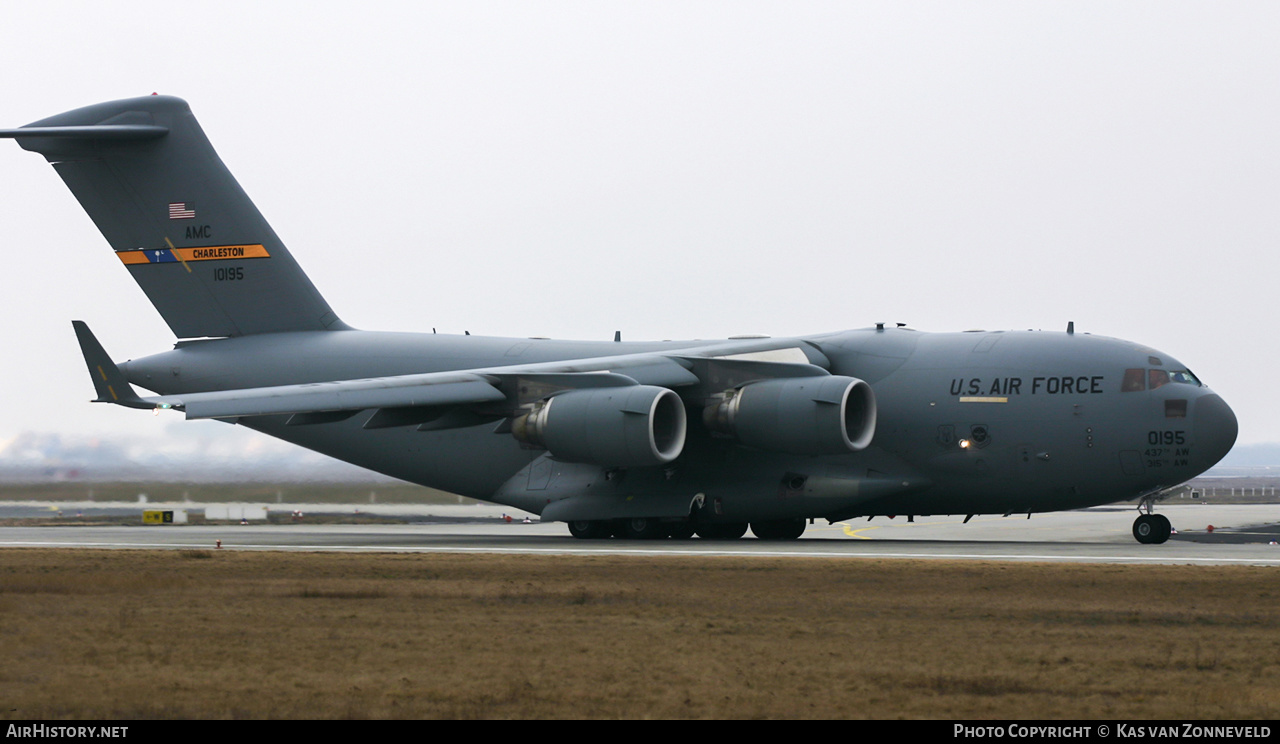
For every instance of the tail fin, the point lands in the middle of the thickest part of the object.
(148, 177)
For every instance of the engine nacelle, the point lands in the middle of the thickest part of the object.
(631, 426)
(827, 415)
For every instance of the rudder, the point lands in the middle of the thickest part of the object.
(197, 246)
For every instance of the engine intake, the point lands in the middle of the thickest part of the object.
(827, 415)
(631, 426)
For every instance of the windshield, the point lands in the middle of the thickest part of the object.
(1150, 379)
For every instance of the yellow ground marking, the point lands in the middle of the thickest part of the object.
(851, 532)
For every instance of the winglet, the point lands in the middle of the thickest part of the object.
(108, 381)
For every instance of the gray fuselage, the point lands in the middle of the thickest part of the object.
(968, 423)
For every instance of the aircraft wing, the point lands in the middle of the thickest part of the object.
(495, 386)
(419, 398)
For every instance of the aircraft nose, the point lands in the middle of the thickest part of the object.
(1216, 429)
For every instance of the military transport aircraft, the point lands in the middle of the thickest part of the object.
(626, 439)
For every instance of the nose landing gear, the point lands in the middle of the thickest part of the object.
(1149, 528)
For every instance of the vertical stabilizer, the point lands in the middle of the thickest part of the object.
(148, 177)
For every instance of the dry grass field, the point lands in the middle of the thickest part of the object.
(211, 634)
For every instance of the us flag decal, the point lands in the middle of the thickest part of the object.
(179, 211)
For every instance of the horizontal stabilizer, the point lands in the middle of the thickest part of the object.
(97, 132)
(107, 379)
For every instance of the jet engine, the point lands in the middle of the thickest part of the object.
(827, 415)
(630, 426)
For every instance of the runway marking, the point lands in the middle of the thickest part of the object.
(856, 532)
(597, 550)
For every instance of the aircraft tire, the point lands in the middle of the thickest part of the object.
(584, 530)
(781, 529)
(728, 531)
(1166, 529)
(1143, 529)
(640, 528)
(1152, 529)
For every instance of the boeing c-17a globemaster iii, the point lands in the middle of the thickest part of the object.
(626, 439)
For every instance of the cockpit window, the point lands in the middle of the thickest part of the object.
(1134, 381)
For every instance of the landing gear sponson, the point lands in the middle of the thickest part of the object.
(654, 529)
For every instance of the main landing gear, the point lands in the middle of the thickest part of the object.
(626, 529)
(653, 529)
(1152, 529)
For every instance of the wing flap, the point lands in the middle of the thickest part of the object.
(348, 395)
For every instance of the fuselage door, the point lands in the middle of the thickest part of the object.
(1131, 462)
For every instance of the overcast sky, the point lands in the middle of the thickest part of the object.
(682, 170)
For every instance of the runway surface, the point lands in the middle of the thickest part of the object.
(1242, 534)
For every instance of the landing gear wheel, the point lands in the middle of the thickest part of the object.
(1152, 529)
(730, 531)
(781, 529)
(584, 530)
(641, 528)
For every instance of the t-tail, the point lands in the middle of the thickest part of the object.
(201, 251)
